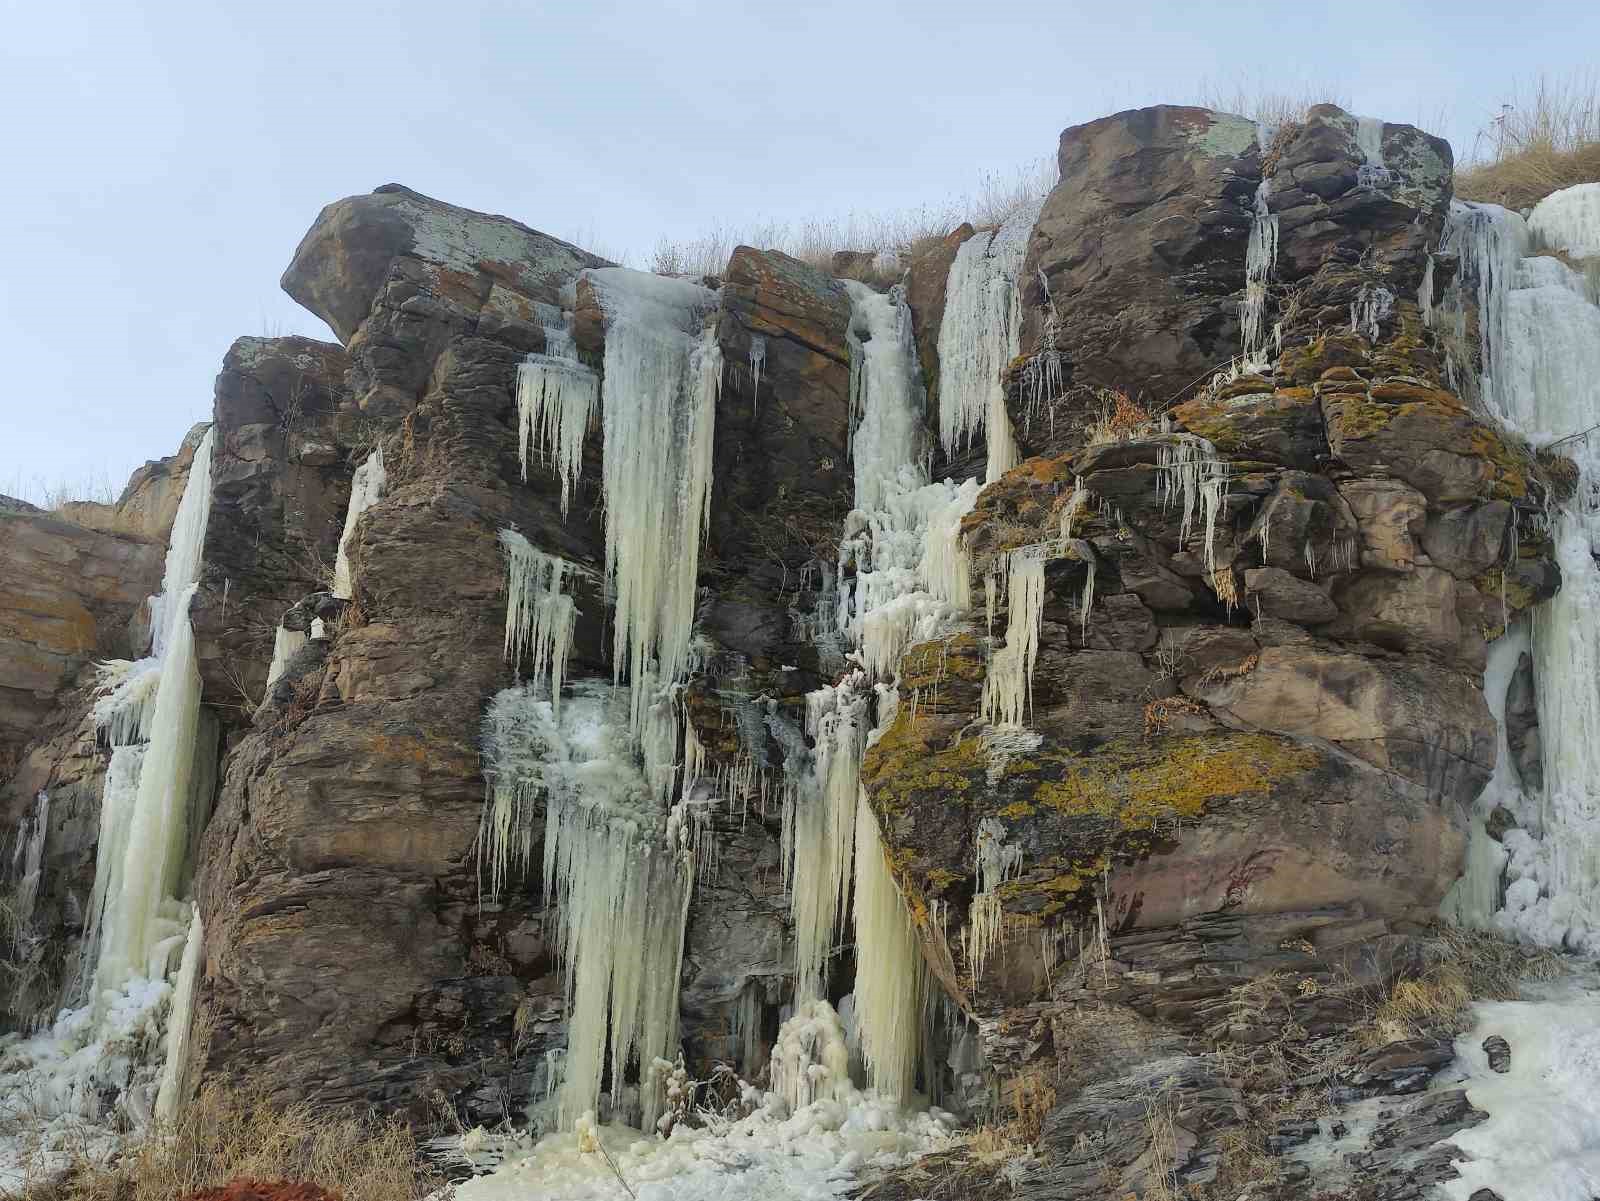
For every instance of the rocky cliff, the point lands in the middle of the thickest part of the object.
(1254, 729)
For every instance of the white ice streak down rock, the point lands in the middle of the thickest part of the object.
(663, 373)
(1261, 253)
(1541, 376)
(979, 335)
(366, 489)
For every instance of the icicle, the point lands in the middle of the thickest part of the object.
(758, 358)
(886, 398)
(663, 374)
(125, 699)
(366, 489)
(285, 645)
(891, 982)
(540, 617)
(1191, 470)
(979, 336)
(1373, 306)
(27, 866)
(556, 401)
(1008, 687)
(1372, 173)
(996, 862)
(617, 868)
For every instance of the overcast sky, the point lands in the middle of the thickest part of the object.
(163, 159)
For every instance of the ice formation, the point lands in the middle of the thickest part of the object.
(285, 645)
(979, 336)
(1540, 360)
(1008, 687)
(1541, 1141)
(617, 869)
(557, 396)
(996, 863)
(805, 1140)
(1569, 220)
(169, 1095)
(147, 858)
(1192, 473)
(663, 373)
(1261, 253)
(891, 984)
(366, 489)
(758, 360)
(1373, 172)
(539, 613)
(112, 1043)
(886, 398)
(27, 863)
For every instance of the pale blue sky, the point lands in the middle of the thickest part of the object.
(164, 158)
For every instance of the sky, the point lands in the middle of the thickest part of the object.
(165, 157)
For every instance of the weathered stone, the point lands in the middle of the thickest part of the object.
(1143, 245)
(1467, 541)
(1273, 592)
(1522, 725)
(1390, 516)
(1411, 612)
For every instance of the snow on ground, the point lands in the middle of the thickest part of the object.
(811, 1155)
(1542, 1139)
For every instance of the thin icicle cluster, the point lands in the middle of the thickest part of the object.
(1043, 375)
(996, 863)
(556, 401)
(617, 867)
(366, 489)
(1192, 474)
(979, 335)
(663, 373)
(891, 977)
(1008, 687)
(27, 865)
(1369, 309)
(539, 613)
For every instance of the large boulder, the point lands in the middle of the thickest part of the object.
(1142, 245)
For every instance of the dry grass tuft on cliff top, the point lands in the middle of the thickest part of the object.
(885, 238)
(1546, 138)
(229, 1135)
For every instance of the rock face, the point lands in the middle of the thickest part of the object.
(68, 595)
(1143, 245)
(1252, 742)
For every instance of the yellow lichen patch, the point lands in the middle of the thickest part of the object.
(903, 764)
(1511, 468)
(1355, 416)
(1183, 775)
(1401, 392)
(1245, 385)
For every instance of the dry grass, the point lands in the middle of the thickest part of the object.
(96, 487)
(1267, 105)
(1547, 137)
(228, 1134)
(1464, 966)
(886, 238)
(1122, 419)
